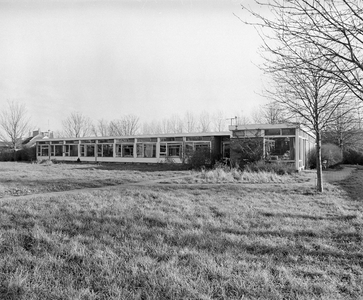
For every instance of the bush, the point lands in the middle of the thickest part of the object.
(277, 168)
(199, 158)
(246, 150)
(26, 154)
(6, 156)
(329, 152)
(353, 157)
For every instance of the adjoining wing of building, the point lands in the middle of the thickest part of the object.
(283, 143)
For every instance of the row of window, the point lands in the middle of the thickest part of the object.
(129, 140)
(147, 150)
(268, 132)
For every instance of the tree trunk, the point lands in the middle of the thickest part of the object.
(14, 154)
(319, 167)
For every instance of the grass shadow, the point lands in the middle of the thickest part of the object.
(353, 185)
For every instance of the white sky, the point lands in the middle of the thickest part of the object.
(151, 58)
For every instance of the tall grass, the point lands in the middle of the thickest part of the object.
(234, 175)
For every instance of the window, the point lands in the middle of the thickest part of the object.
(167, 139)
(272, 131)
(90, 150)
(162, 150)
(226, 150)
(147, 140)
(189, 147)
(127, 150)
(202, 146)
(238, 133)
(44, 151)
(198, 138)
(171, 139)
(73, 150)
(174, 150)
(118, 150)
(83, 152)
(107, 150)
(125, 140)
(139, 150)
(149, 150)
(58, 150)
(109, 141)
(288, 131)
(146, 150)
(253, 132)
(280, 148)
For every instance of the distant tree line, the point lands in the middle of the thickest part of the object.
(79, 125)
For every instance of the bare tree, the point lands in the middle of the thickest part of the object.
(127, 125)
(257, 115)
(310, 93)
(101, 128)
(270, 113)
(307, 77)
(152, 127)
(14, 123)
(345, 130)
(77, 125)
(219, 121)
(175, 124)
(164, 126)
(204, 122)
(242, 119)
(190, 122)
(333, 29)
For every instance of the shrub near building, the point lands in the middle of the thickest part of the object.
(330, 153)
(247, 150)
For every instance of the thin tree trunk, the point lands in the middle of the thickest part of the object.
(319, 167)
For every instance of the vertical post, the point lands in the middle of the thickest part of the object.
(158, 147)
(319, 167)
(297, 147)
(135, 150)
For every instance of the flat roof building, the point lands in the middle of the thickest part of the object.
(276, 143)
(133, 149)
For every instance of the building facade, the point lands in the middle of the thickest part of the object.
(276, 143)
(132, 149)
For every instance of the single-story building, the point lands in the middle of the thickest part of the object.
(277, 143)
(132, 149)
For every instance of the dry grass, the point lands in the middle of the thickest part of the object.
(257, 241)
(18, 179)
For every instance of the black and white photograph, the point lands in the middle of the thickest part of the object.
(181, 149)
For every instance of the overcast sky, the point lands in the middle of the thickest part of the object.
(151, 58)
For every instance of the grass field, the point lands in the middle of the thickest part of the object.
(176, 240)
